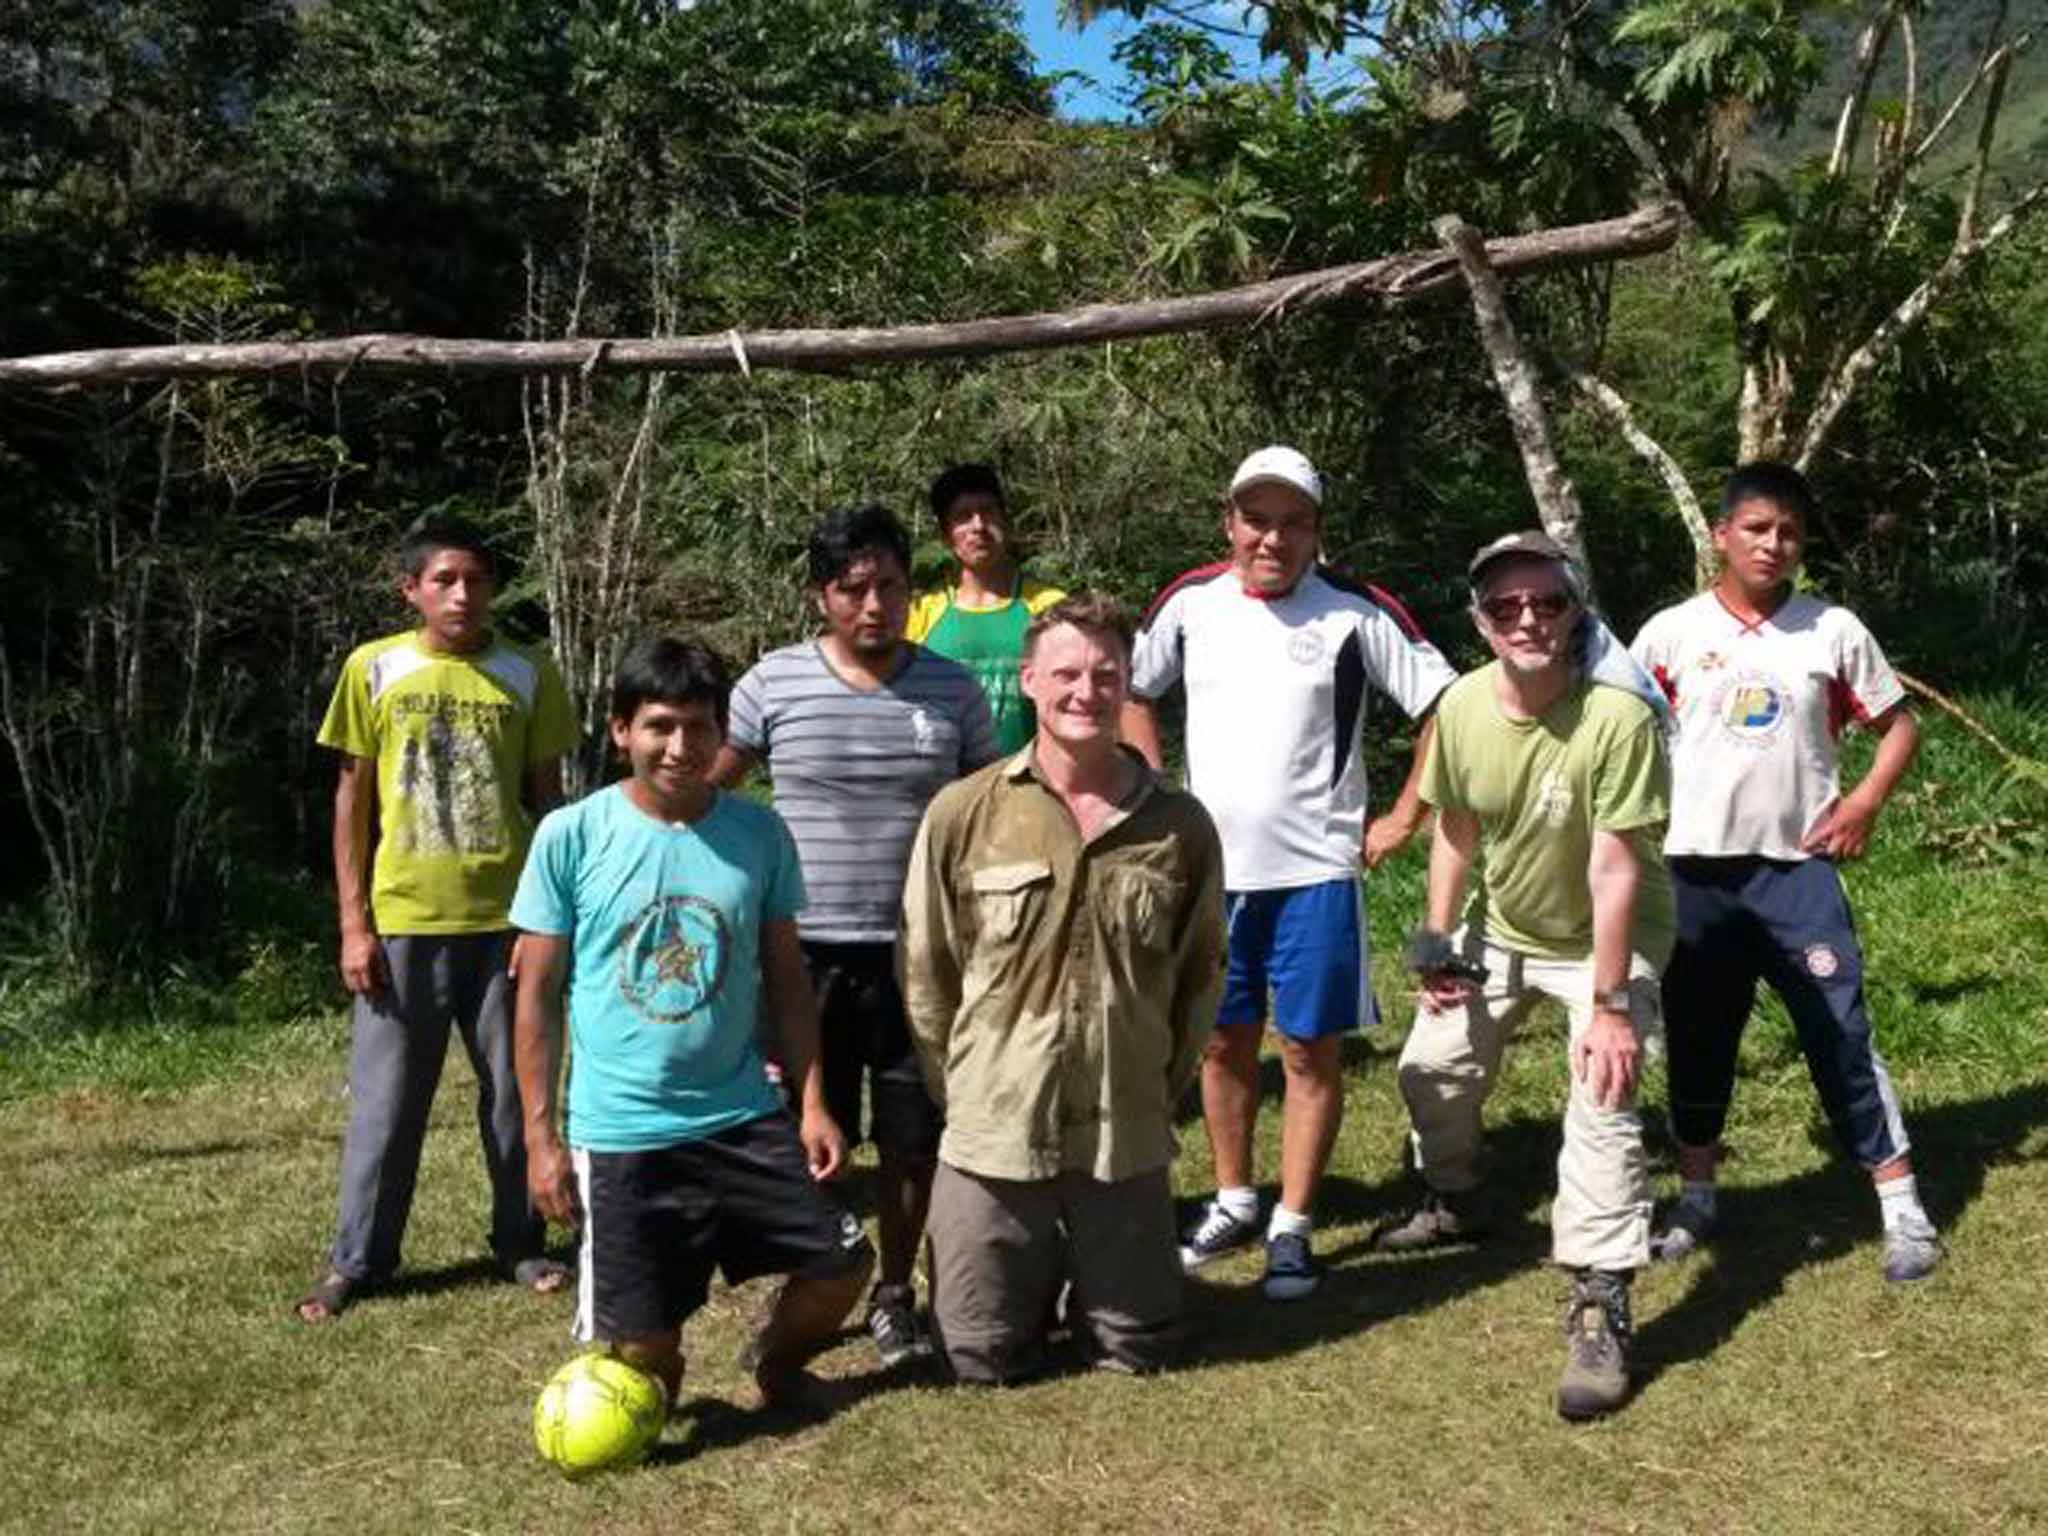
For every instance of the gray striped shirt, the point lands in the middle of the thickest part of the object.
(853, 772)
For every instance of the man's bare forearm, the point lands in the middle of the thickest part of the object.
(1613, 877)
(353, 796)
(1450, 865)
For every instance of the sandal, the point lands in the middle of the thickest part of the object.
(542, 1276)
(327, 1300)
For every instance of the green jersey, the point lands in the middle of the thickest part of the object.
(989, 642)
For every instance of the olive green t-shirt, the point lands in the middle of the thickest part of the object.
(1540, 788)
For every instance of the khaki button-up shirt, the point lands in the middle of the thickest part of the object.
(1059, 990)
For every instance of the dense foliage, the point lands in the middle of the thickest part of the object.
(181, 568)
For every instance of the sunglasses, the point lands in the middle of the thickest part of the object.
(1545, 605)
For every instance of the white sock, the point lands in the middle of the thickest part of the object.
(1285, 1221)
(1898, 1201)
(1698, 1194)
(1239, 1200)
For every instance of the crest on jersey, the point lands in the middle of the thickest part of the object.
(1752, 706)
(1305, 647)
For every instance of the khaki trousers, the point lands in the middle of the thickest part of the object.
(1001, 1247)
(1601, 1216)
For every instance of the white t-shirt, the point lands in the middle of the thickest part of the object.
(1761, 710)
(1276, 700)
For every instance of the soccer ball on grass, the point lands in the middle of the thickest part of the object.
(598, 1412)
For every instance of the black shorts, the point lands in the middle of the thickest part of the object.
(863, 1034)
(656, 1223)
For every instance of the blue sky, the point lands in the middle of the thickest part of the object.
(1088, 50)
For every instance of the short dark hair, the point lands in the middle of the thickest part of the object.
(964, 480)
(665, 670)
(844, 534)
(1095, 612)
(441, 530)
(1767, 480)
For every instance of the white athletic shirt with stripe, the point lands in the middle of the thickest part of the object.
(1761, 709)
(1276, 702)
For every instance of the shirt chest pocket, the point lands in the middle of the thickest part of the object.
(1007, 897)
(1139, 906)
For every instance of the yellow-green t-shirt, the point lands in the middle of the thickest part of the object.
(1540, 788)
(453, 737)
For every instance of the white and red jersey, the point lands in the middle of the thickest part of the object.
(1761, 709)
(1276, 691)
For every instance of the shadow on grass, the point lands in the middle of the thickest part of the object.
(1234, 1323)
(716, 1424)
(1769, 1232)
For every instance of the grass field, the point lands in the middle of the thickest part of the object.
(170, 1192)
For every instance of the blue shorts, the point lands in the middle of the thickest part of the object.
(1306, 945)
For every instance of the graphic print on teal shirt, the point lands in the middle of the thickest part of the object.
(665, 969)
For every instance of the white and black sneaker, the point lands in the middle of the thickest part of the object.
(892, 1324)
(1912, 1250)
(1217, 1232)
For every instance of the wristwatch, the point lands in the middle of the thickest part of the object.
(1612, 1000)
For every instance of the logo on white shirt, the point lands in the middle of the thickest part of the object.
(1306, 647)
(1751, 706)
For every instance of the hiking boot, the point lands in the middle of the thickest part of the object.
(892, 1324)
(1291, 1269)
(1683, 1234)
(1217, 1233)
(1912, 1249)
(1440, 1219)
(1596, 1338)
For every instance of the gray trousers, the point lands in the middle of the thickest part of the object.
(1001, 1247)
(401, 1041)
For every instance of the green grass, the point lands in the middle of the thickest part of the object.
(169, 1200)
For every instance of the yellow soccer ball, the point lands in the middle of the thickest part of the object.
(598, 1412)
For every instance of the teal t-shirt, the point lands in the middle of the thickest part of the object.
(665, 969)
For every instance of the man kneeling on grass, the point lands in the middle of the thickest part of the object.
(678, 903)
(1062, 959)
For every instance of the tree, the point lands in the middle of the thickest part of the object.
(1826, 267)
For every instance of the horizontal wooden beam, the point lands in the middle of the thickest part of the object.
(1389, 280)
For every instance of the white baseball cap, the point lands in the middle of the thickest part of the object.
(1278, 466)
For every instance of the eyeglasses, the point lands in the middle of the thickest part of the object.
(1544, 605)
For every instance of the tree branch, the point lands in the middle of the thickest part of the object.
(1992, 49)
(1987, 130)
(1391, 280)
(1869, 49)
(1847, 380)
(1557, 500)
(1611, 405)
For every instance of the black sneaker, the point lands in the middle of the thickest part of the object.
(892, 1324)
(1596, 1338)
(1439, 1220)
(1291, 1269)
(1217, 1233)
